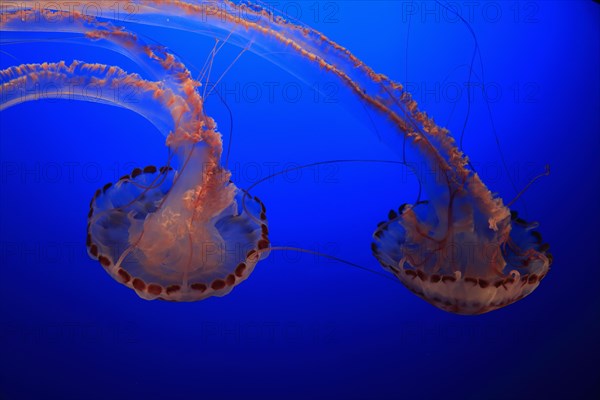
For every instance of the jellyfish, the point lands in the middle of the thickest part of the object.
(172, 234)
(462, 250)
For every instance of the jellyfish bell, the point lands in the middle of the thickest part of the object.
(176, 246)
(461, 265)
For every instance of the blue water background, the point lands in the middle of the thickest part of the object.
(304, 327)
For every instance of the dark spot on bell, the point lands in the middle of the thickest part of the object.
(94, 250)
(150, 169)
(201, 287)
(139, 284)
(136, 172)
(239, 270)
(173, 289)
(104, 261)
(230, 280)
(218, 284)
(125, 277)
(154, 289)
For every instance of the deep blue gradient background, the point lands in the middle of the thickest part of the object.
(301, 326)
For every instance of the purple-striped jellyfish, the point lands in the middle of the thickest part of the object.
(462, 251)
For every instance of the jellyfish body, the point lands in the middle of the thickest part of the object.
(169, 245)
(461, 268)
(181, 232)
(462, 251)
